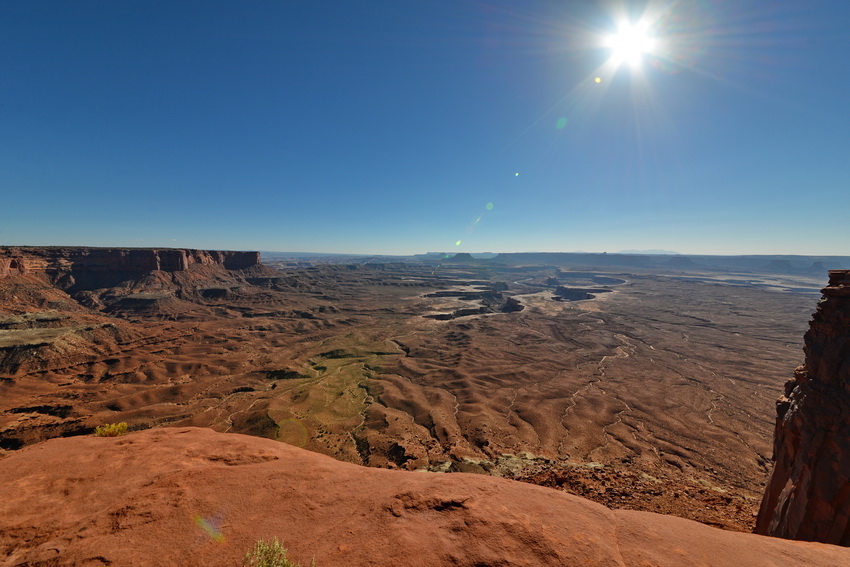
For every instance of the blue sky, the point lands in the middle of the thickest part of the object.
(402, 127)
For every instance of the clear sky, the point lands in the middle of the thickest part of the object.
(406, 126)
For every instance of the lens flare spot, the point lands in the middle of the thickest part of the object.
(458, 243)
(562, 121)
(489, 206)
(210, 527)
(516, 174)
(597, 80)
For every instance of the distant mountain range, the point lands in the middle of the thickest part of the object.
(648, 251)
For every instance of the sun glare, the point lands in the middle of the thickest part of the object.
(630, 44)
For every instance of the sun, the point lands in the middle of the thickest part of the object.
(630, 44)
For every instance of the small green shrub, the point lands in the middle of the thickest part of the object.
(270, 554)
(111, 429)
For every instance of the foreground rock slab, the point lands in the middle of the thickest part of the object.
(191, 496)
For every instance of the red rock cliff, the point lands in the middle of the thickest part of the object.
(66, 266)
(808, 493)
(11, 265)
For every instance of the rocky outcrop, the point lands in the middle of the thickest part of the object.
(193, 497)
(462, 257)
(88, 268)
(58, 305)
(808, 493)
(511, 305)
(12, 266)
(492, 301)
(563, 293)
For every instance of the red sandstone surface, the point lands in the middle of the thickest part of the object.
(194, 497)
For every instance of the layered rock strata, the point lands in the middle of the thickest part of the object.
(808, 493)
(75, 266)
(61, 306)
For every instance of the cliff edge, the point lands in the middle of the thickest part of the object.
(90, 268)
(61, 306)
(808, 493)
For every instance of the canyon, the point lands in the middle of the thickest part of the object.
(640, 388)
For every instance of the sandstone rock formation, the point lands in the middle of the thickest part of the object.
(89, 268)
(808, 494)
(12, 265)
(563, 293)
(58, 305)
(193, 497)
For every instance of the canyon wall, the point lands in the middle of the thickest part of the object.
(808, 493)
(81, 267)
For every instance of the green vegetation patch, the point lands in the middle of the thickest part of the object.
(270, 554)
(111, 429)
(326, 411)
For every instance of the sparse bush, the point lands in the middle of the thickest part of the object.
(111, 429)
(270, 554)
